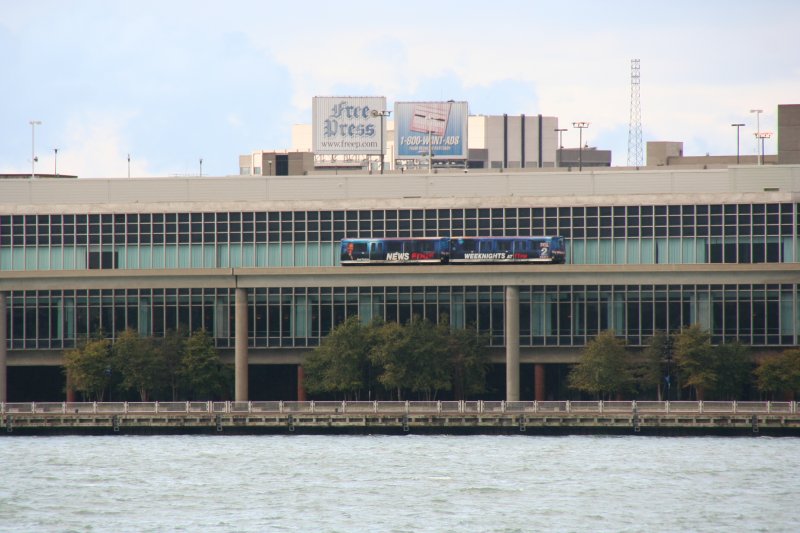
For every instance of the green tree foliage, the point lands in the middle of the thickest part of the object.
(469, 360)
(414, 358)
(202, 371)
(604, 368)
(779, 374)
(341, 363)
(732, 365)
(392, 360)
(648, 372)
(695, 358)
(89, 368)
(171, 348)
(139, 362)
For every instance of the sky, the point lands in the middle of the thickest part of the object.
(171, 81)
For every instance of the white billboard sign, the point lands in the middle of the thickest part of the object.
(348, 125)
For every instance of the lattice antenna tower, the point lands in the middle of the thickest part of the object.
(635, 124)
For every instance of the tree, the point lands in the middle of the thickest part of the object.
(604, 368)
(202, 370)
(341, 363)
(732, 365)
(140, 364)
(469, 360)
(647, 369)
(171, 348)
(779, 374)
(89, 367)
(413, 358)
(694, 356)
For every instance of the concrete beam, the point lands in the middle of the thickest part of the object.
(432, 275)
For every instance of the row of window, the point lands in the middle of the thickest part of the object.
(766, 315)
(316, 226)
(687, 250)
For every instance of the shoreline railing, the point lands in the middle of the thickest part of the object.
(388, 408)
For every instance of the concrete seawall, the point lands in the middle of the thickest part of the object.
(456, 418)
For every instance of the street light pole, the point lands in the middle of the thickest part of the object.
(763, 135)
(33, 124)
(758, 128)
(581, 126)
(737, 126)
(129, 166)
(560, 143)
(201, 167)
(382, 114)
(55, 162)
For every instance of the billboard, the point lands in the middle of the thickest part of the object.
(345, 125)
(444, 123)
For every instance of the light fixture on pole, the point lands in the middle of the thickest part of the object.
(758, 128)
(737, 126)
(560, 143)
(763, 135)
(581, 126)
(34, 159)
(382, 114)
(55, 162)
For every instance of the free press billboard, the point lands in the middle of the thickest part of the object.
(346, 125)
(445, 123)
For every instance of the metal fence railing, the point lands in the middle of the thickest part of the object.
(401, 407)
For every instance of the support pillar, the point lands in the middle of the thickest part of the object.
(71, 396)
(512, 343)
(240, 344)
(301, 389)
(3, 349)
(538, 382)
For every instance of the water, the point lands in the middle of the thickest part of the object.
(398, 483)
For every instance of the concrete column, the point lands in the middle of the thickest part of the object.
(240, 344)
(512, 343)
(3, 349)
(538, 382)
(301, 389)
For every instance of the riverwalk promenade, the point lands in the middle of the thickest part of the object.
(409, 417)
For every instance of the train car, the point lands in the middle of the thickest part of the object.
(394, 251)
(507, 250)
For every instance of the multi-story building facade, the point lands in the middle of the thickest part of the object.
(254, 260)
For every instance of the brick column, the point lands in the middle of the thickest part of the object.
(512, 343)
(538, 382)
(71, 396)
(240, 344)
(301, 389)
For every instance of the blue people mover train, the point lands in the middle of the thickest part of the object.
(456, 250)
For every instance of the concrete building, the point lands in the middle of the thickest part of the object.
(266, 163)
(586, 157)
(494, 141)
(670, 154)
(254, 260)
(789, 134)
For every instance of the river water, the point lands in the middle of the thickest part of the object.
(398, 483)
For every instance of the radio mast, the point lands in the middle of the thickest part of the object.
(635, 124)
